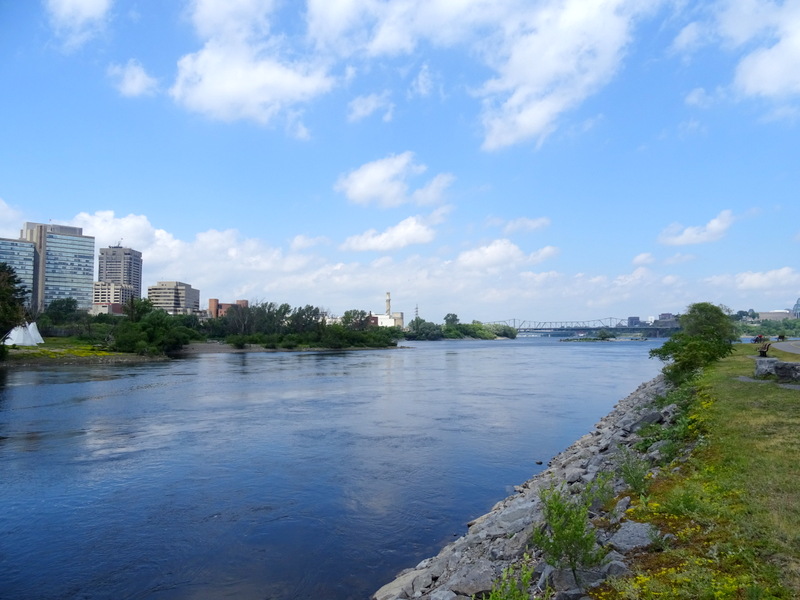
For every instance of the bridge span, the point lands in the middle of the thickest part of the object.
(613, 325)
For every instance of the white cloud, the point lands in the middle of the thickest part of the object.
(409, 231)
(679, 258)
(491, 281)
(690, 38)
(303, 242)
(576, 47)
(385, 183)
(10, 219)
(433, 191)
(543, 254)
(771, 69)
(131, 79)
(525, 224)
(645, 258)
(502, 254)
(232, 80)
(700, 98)
(77, 21)
(240, 73)
(548, 57)
(715, 229)
(423, 83)
(363, 106)
(767, 280)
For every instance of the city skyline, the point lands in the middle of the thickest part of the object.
(547, 160)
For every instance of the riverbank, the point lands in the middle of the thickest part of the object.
(472, 564)
(683, 522)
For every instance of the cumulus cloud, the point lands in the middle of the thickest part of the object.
(525, 224)
(679, 258)
(576, 47)
(10, 219)
(77, 21)
(131, 79)
(645, 258)
(409, 231)
(240, 72)
(547, 56)
(770, 67)
(502, 254)
(231, 80)
(767, 280)
(363, 106)
(714, 230)
(385, 182)
(303, 242)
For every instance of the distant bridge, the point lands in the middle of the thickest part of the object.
(570, 328)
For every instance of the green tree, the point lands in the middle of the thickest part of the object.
(355, 319)
(12, 303)
(707, 335)
(450, 320)
(567, 538)
(136, 308)
(420, 329)
(62, 311)
(605, 334)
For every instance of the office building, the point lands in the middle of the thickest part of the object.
(20, 256)
(106, 293)
(63, 265)
(122, 266)
(175, 297)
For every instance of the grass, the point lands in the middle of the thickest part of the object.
(57, 348)
(734, 507)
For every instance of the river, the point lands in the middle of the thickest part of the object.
(279, 475)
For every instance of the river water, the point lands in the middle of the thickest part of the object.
(276, 475)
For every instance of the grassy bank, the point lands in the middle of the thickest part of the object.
(732, 508)
(59, 350)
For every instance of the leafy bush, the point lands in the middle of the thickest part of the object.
(567, 538)
(707, 334)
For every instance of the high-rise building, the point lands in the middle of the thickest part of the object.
(175, 297)
(20, 256)
(122, 266)
(63, 266)
(105, 293)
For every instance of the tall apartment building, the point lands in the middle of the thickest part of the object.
(63, 264)
(119, 279)
(20, 256)
(175, 297)
(122, 266)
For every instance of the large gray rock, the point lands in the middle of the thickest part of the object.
(399, 588)
(473, 579)
(633, 536)
(765, 366)
(787, 371)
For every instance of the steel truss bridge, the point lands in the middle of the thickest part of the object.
(568, 328)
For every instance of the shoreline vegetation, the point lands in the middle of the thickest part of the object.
(144, 330)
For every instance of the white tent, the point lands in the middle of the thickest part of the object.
(34, 330)
(24, 335)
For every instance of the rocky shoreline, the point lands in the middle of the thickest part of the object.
(470, 565)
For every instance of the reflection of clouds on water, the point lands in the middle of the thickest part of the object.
(286, 470)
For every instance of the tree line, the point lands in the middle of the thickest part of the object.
(143, 329)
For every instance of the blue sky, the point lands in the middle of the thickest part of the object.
(537, 160)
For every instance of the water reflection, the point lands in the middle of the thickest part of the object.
(279, 475)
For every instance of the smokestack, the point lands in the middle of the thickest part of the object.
(388, 304)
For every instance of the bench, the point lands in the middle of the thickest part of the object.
(762, 351)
